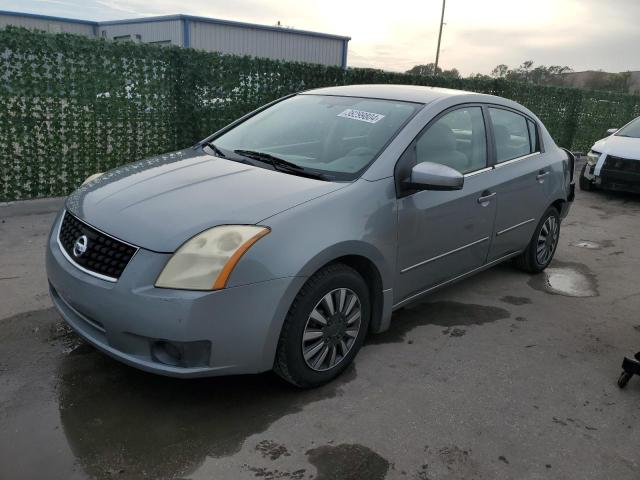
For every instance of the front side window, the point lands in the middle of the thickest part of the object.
(332, 135)
(457, 139)
(512, 135)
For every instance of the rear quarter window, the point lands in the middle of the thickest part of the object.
(513, 136)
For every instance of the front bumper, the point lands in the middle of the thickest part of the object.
(614, 173)
(229, 331)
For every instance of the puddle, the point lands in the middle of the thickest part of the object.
(568, 279)
(442, 313)
(347, 462)
(116, 417)
(85, 415)
(589, 245)
(511, 300)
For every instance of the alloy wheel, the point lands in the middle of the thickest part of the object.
(547, 240)
(331, 329)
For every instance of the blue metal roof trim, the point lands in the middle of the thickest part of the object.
(218, 21)
(186, 38)
(165, 18)
(37, 16)
(345, 47)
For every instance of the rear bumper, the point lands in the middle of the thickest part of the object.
(571, 195)
(171, 332)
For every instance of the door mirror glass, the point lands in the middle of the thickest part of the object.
(435, 176)
(611, 131)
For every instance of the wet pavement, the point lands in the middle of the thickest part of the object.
(501, 376)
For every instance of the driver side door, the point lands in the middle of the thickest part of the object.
(444, 234)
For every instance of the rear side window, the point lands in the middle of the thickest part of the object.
(456, 139)
(515, 135)
(533, 136)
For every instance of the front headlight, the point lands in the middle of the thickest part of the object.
(592, 157)
(90, 178)
(206, 261)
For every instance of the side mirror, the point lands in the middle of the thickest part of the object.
(434, 176)
(611, 131)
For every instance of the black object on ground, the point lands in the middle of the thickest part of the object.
(630, 367)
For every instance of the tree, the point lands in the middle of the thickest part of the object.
(428, 70)
(500, 71)
(526, 73)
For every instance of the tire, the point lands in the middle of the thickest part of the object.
(585, 184)
(624, 379)
(342, 335)
(530, 260)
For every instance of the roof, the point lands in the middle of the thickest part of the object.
(165, 18)
(406, 93)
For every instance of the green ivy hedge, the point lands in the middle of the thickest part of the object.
(71, 106)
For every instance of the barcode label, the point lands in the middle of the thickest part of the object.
(361, 115)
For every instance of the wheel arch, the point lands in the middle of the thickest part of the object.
(370, 263)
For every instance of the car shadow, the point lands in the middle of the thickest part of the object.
(121, 420)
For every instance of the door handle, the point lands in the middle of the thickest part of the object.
(485, 198)
(541, 175)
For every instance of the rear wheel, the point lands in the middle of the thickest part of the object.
(585, 183)
(543, 244)
(324, 328)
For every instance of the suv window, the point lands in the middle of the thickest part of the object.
(513, 135)
(457, 139)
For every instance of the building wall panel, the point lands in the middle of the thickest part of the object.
(284, 45)
(155, 31)
(48, 25)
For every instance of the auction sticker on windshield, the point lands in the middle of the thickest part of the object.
(361, 115)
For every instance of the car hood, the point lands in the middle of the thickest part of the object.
(617, 146)
(161, 202)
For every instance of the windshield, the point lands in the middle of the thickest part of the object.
(630, 130)
(335, 136)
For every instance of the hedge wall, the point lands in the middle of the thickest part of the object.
(71, 106)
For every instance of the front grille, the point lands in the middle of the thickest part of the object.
(621, 164)
(102, 255)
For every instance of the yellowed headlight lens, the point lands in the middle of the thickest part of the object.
(206, 261)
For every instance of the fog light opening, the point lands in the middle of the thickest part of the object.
(181, 354)
(167, 353)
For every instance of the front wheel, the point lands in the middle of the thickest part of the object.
(543, 244)
(325, 327)
(585, 184)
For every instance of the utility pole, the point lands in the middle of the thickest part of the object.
(435, 69)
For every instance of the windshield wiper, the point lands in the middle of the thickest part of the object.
(215, 149)
(280, 164)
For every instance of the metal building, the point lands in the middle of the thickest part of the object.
(203, 33)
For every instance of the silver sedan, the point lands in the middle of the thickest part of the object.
(282, 240)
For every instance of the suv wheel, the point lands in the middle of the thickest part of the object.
(585, 184)
(543, 244)
(325, 327)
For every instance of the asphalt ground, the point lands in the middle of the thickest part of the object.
(501, 376)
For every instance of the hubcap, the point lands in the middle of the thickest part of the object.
(547, 240)
(331, 329)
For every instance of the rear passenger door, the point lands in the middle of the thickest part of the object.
(523, 183)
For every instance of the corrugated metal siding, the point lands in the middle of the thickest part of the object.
(149, 31)
(53, 26)
(283, 45)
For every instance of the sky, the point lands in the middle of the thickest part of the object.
(395, 35)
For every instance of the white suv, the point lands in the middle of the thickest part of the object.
(613, 163)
